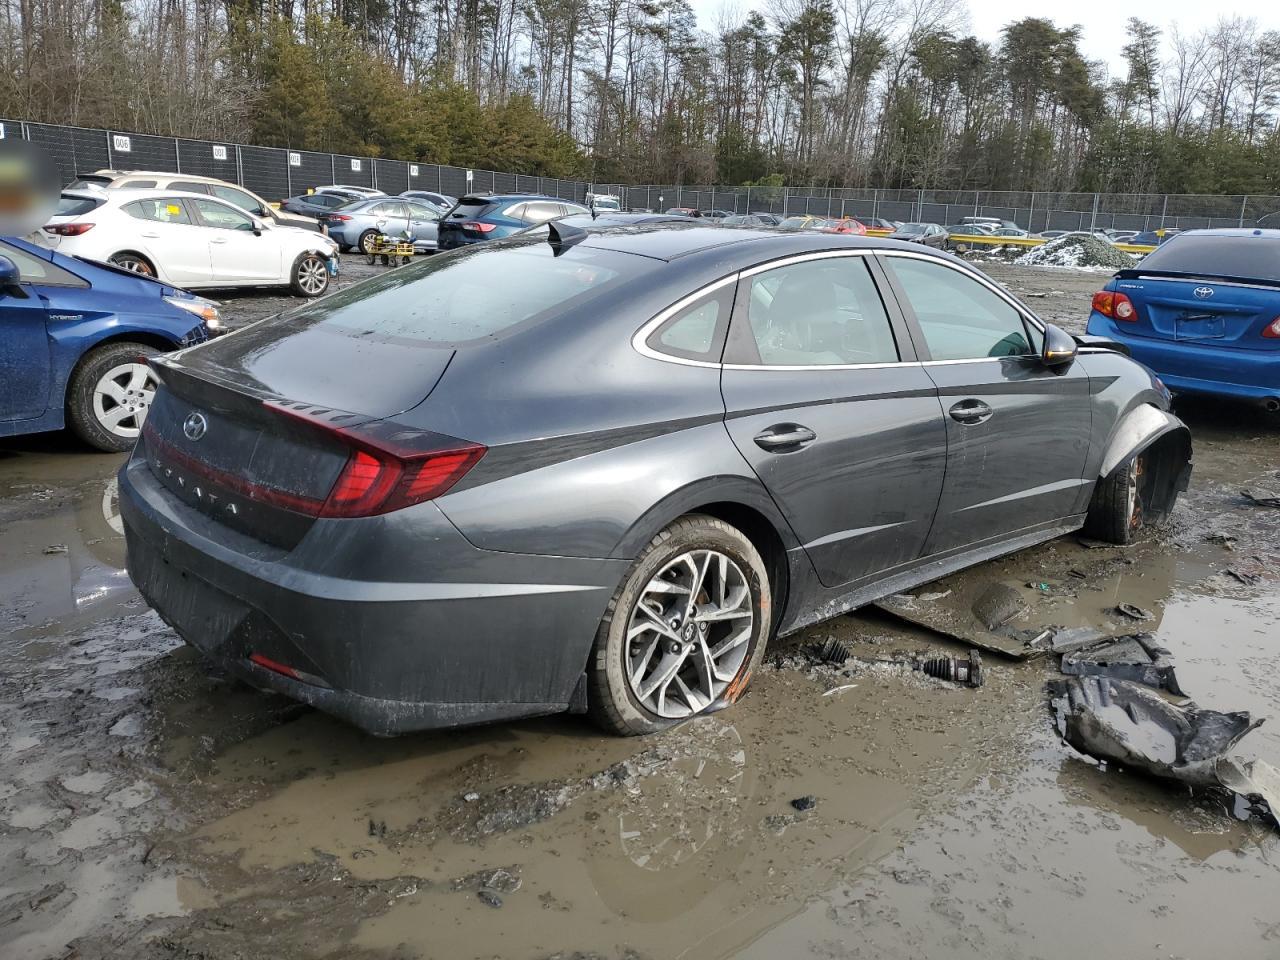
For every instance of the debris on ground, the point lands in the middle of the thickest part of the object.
(1138, 658)
(1122, 722)
(980, 623)
(1261, 498)
(1081, 251)
(997, 605)
(804, 803)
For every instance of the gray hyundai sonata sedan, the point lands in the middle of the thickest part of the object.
(599, 471)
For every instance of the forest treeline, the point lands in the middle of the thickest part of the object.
(887, 93)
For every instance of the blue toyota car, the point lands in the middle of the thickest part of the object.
(74, 340)
(1203, 312)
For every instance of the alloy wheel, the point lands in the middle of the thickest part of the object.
(133, 265)
(689, 633)
(313, 275)
(122, 397)
(1136, 470)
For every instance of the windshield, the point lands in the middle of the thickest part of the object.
(472, 294)
(1205, 255)
(606, 204)
(912, 228)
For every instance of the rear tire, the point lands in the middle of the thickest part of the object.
(1116, 511)
(133, 262)
(654, 664)
(310, 275)
(366, 242)
(109, 395)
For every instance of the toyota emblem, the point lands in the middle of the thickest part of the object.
(195, 426)
(1203, 293)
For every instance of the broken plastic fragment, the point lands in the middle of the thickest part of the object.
(1138, 658)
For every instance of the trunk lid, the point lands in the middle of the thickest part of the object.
(1200, 310)
(225, 432)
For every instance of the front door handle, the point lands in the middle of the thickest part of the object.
(784, 437)
(970, 412)
(218, 240)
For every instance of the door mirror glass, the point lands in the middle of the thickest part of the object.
(1059, 347)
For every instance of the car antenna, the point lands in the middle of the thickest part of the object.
(563, 236)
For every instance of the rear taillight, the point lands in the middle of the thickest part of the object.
(1272, 330)
(389, 467)
(1117, 306)
(479, 227)
(68, 229)
(337, 218)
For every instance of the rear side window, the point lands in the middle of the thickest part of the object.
(815, 313)
(473, 294)
(190, 186)
(961, 318)
(140, 185)
(1244, 258)
(540, 211)
(163, 210)
(695, 332)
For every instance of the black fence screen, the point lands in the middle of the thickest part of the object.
(276, 173)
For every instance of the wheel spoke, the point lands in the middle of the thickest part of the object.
(112, 389)
(661, 678)
(138, 377)
(115, 416)
(637, 674)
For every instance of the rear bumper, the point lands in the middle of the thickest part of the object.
(477, 636)
(1201, 367)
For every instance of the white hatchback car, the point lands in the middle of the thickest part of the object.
(190, 240)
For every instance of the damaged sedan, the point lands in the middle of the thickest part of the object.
(599, 472)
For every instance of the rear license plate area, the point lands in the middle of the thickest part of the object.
(1199, 327)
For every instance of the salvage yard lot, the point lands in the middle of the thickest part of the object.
(150, 808)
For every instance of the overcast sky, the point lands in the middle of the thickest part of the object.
(1103, 20)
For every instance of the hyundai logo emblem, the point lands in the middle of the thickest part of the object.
(1203, 293)
(195, 426)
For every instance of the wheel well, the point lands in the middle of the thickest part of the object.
(134, 253)
(760, 530)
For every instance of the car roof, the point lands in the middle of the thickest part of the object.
(122, 195)
(672, 241)
(503, 197)
(1262, 232)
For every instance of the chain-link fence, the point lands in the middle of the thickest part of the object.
(276, 173)
(1035, 211)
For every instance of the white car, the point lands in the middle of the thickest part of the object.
(189, 240)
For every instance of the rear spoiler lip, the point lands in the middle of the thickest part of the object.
(1137, 273)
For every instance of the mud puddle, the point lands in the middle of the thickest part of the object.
(151, 808)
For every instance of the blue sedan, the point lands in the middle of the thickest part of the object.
(75, 337)
(1203, 312)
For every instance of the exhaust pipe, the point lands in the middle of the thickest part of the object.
(1271, 404)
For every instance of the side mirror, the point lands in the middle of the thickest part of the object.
(1059, 347)
(11, 279)
(258, 227)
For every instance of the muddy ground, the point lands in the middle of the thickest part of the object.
(151, 808)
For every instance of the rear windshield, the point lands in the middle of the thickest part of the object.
(1245, 258)
(468, 209)
(75, 206)
(473, 293)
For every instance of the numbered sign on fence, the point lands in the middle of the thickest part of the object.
(295, 159)
(355, 165)
(413, 167)
(219, 152)
(120, 143)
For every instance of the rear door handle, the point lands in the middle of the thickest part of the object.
(218, 240)
(151, 236)
(784, 437)
(970, 412)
